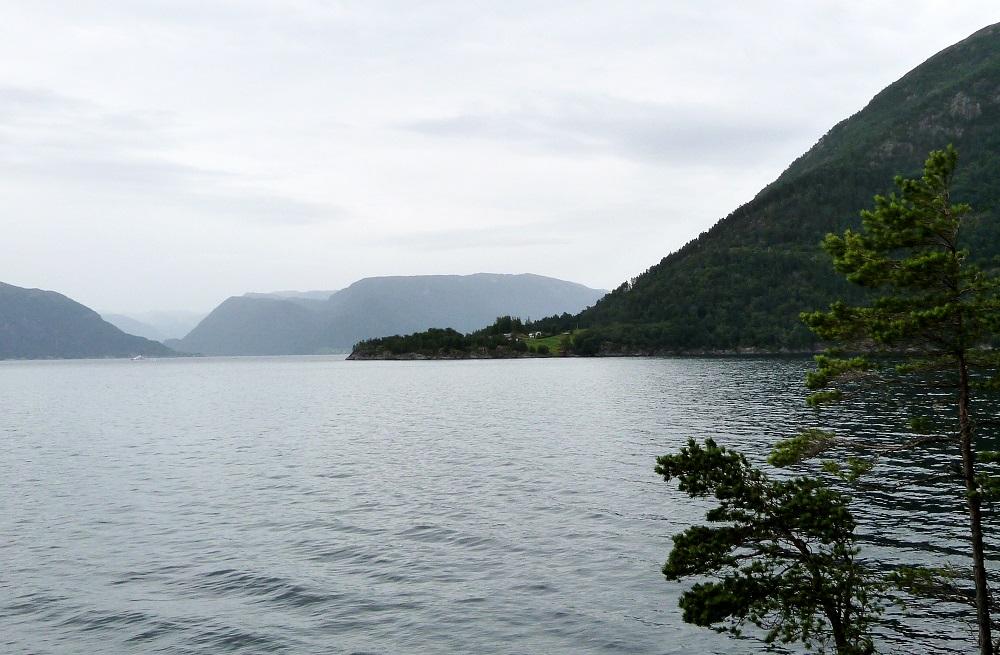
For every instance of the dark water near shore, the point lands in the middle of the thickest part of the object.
(312, 505)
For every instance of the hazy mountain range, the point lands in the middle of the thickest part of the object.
(45, 324)
(290, 323)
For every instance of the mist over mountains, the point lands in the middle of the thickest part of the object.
(156, 325)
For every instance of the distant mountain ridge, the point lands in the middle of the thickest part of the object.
(38, 324)
(294, 295)
(290, 323)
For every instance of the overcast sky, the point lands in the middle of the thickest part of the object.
(166, 155)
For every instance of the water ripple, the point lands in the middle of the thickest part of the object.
(309, 505)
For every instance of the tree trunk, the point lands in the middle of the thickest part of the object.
(837, 628)
(975, 511)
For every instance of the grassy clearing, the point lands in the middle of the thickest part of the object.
(554, 343)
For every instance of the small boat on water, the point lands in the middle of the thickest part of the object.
(138, 358)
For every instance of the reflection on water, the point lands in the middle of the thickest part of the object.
(311, 505)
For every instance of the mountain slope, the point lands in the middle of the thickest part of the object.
(743, 283)
(244, 325)
(37, 324)
(269, 324)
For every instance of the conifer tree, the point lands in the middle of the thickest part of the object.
(931, 320)
(778, 554)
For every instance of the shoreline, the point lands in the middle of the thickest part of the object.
(484, 354)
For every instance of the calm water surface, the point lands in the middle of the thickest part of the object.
(313, 505)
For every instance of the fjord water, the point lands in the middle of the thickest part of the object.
(313, 505)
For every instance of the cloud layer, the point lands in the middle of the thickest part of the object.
(676, 134)
(169, 154)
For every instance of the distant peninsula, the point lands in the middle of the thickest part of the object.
(510, 338)
(506, 338)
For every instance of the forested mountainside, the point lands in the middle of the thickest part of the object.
(37, 324)
(742, 284)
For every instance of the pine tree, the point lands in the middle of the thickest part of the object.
(931, 320)
(778, 554)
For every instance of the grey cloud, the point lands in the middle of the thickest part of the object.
(18, 101)
(76, 144)
(166, 184)
(610, 133)
(268, 209)
(648, 132)
(117, 175)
